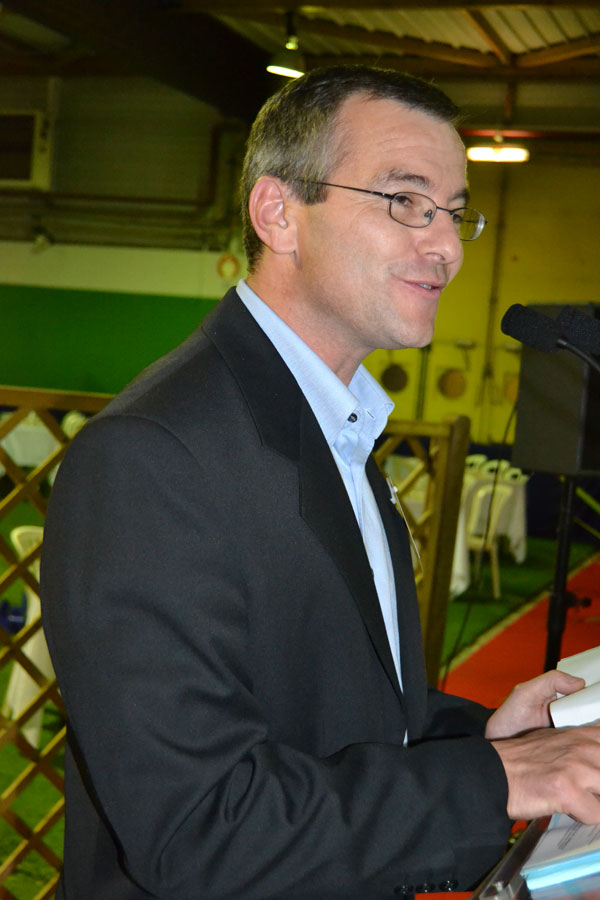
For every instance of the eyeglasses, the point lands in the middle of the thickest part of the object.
(418, 211)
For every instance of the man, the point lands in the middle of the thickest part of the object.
(227, 590)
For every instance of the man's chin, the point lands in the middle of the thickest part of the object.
(415, 340)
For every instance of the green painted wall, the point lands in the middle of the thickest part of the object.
(88, 340)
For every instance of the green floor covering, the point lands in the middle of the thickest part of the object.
(475, 611)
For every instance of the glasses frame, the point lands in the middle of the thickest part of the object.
(481, 222)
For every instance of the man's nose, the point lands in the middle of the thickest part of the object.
(441, 238)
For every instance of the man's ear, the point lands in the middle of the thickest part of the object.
(270, 209)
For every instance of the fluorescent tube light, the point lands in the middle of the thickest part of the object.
(498, 153)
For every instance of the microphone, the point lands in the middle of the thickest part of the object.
(533, 328)
(579, 329)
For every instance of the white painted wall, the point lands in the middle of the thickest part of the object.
(180, 273)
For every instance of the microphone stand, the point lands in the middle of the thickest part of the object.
(559, 598)
(564, 344)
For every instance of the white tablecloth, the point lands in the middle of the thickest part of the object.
(513, 522)
(29, 444)
(398, 468)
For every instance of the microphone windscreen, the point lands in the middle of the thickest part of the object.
(581, 330)
(531, 327)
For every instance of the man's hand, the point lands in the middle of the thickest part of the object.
(553, 770)
(527, 706)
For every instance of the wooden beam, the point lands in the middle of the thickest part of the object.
(574, 70)
(489, 35)
(238, 7)
(586, 46)
(380, 40)
(41, 398)
(197, 56)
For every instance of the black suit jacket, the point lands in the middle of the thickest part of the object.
(236, 723)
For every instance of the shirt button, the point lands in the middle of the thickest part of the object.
(352, 417)
(449, 885)
(404, 891)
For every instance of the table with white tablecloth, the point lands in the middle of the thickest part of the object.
(512, 524)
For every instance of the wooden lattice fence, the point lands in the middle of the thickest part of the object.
(440, 450)
(31, 771)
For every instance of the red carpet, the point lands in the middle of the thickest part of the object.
(518, 651)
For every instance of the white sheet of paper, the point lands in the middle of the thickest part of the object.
(585, 665)
(578, 708)
(563, 839)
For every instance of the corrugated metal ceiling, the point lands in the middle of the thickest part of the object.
(522, 30)
(182, 42)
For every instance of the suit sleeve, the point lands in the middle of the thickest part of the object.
(148, 630)
(451, 716)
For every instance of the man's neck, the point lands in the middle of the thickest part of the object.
(281, 296)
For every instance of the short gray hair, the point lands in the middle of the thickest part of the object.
(293, 136)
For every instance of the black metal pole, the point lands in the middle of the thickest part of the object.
(559, 601)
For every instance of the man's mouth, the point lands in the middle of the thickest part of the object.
(429, 285)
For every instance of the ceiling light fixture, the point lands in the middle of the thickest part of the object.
(498, 153)
(288, 62)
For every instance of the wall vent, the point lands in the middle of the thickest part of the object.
(25, 150)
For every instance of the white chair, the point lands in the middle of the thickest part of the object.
(495, 465)
(22, 689)
(477, 525)
(515, 474)
(475, 460)
(73, 422)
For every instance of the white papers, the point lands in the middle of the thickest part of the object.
(578, 708)
(567, 850)
(586, 665)
(583, 706)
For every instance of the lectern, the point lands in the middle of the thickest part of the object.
(505, 882)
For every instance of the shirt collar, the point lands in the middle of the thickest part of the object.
(329, 398)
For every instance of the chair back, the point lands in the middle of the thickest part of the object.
(72, 422)
(475, 460)
(24, 538)
(22, 689)
(479, 510)
(495, 465)
(515, 474)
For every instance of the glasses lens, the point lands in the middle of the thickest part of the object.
(469, 223)
(417, 211)
(414, 210)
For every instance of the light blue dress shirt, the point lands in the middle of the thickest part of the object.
(351, 418)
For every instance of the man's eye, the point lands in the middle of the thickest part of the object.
(404, 200)
(458, 216)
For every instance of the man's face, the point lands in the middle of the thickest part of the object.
(365, 281)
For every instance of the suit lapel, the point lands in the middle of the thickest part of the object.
(326, 508)
(287, 424)
(269, 387)
(414, 677)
